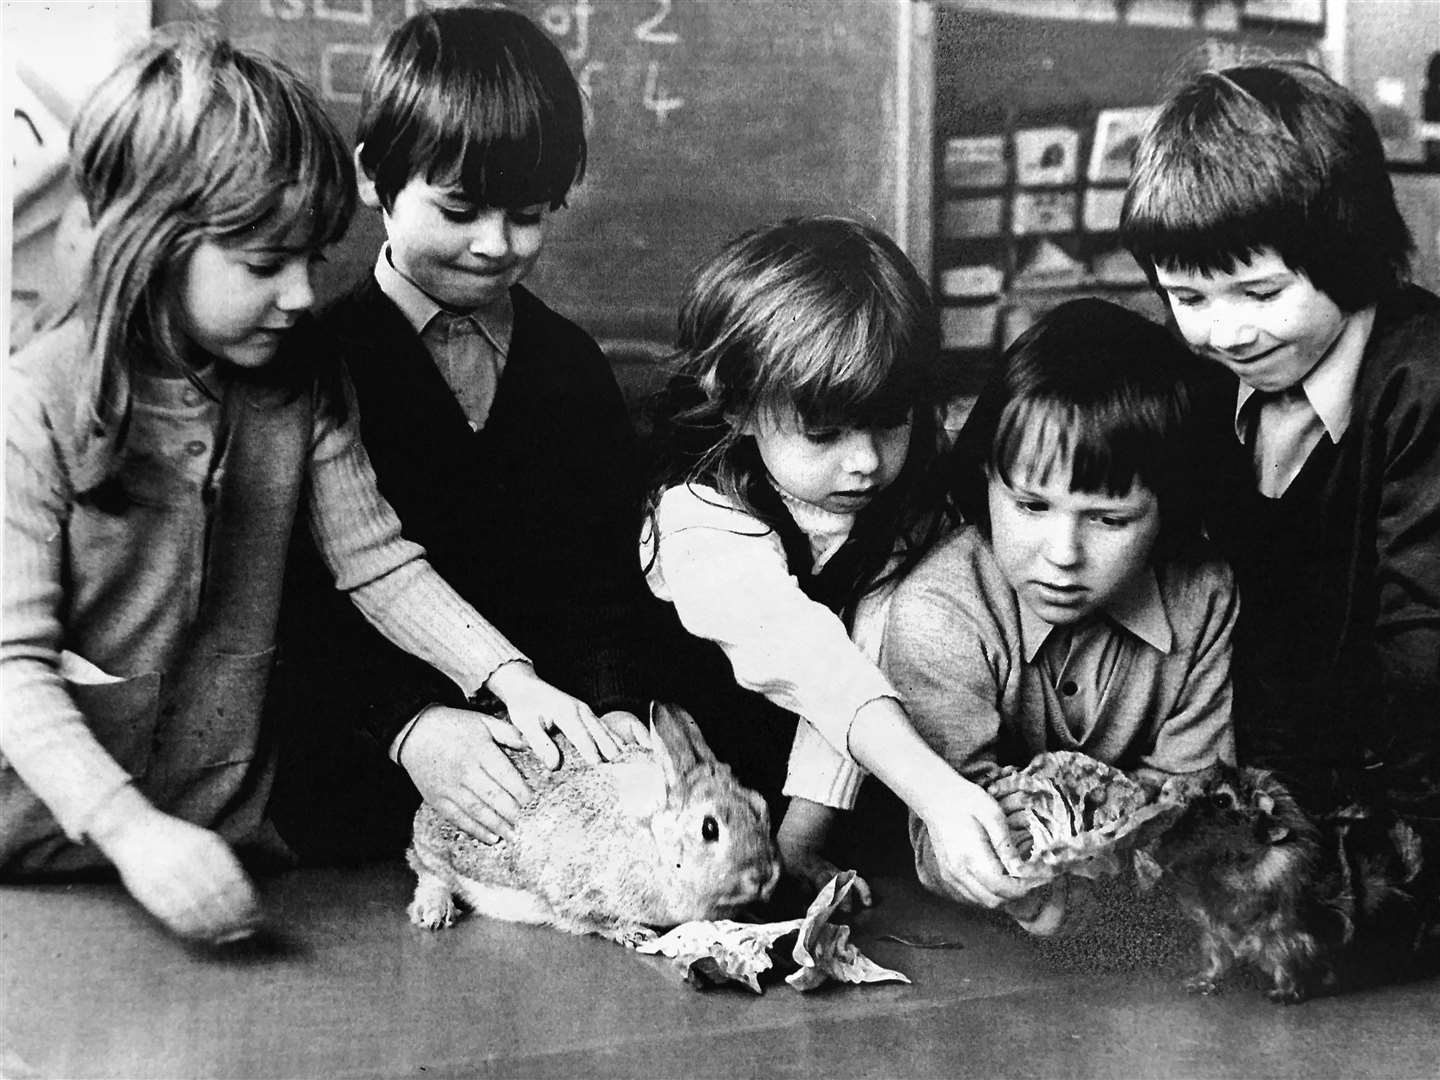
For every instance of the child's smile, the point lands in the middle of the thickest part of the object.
(1263, 321)
(463, 255)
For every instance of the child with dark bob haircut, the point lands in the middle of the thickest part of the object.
(496, 428)
(1077, 610)
(1262, 210)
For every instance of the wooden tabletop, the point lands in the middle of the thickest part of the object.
(345, 986)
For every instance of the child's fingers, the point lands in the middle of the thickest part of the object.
(626, 727)
(479, 819)
(503, 732)
(605, 741)
(533, 728)
(583, 729)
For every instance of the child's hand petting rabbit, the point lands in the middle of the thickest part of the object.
(664, 835)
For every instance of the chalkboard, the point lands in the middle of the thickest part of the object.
(707, 117)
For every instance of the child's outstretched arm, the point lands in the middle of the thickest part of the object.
(966, 828)
(390, 581)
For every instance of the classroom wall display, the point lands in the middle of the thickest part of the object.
(1038, 110)
(707, 118)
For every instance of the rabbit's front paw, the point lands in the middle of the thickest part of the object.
(434, 905)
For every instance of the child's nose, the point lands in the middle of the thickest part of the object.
(1230, 330)
(490, 234)
(1062, 541)
(862, 453)
(296, 291)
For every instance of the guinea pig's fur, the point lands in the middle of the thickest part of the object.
(1296, 897)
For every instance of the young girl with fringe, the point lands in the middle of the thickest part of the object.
(795, 443)
(161, 440)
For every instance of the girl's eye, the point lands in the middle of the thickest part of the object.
(1032, 506)
(1183, 299)
(1263, 294)
(1111, 521)
(264, 269)
(526, 216)
(823, 436)
(461, 215)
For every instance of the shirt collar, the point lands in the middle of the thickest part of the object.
(420, 308)
(414, 303)
(1138, 609)
(1330, 386)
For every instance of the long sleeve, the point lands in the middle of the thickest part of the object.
(727, 576)
(1407, 551)
(44, 736)
(949, 668)
(387, 576)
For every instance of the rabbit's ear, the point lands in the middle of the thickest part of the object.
(676, 741)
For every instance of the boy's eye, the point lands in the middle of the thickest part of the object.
(822, 436)
(1112, 521)
(1032, 506)
(1262, 294)
(526, 215)
(1183, 299)
(462, 214)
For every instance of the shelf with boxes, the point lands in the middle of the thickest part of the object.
(1036, 111)
(1028, 207)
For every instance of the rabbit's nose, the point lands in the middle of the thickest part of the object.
(770, 880)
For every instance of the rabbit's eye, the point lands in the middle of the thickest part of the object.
(1222, 800)
(709, 829)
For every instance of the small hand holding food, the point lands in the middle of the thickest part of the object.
(184, 875)
(970, 843)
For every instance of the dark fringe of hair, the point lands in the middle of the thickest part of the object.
(480, 97)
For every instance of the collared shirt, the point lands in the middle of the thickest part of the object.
(469, 348)
(1283, 429)
(984, 682)
(1079, 661)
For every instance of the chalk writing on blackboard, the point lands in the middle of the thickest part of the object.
(651, 23)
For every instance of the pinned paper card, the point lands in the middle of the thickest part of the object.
(1043, 212)
(975, 161)
(1049, 267)
(1046, 155)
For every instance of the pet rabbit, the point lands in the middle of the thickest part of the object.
(1268, 885)
(661, 836)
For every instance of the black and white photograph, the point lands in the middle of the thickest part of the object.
(720, 538)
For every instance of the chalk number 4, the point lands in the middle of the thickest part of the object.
(649, 31)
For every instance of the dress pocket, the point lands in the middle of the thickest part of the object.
(120, 712)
